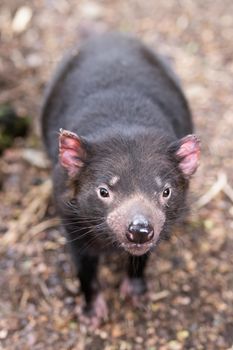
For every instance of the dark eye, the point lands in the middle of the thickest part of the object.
(167, 192)
(103, 192)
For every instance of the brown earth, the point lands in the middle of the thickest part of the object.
(190, 300)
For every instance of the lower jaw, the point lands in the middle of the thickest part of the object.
(137, 249)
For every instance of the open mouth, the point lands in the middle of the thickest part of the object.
(137, 248)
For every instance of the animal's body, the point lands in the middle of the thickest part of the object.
(124, 158)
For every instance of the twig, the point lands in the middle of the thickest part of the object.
(228, 190)
(217, 187)
(24, 299)
(43, 226)
(35, 207)
(160, 295)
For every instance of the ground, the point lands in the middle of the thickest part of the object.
(190, 300)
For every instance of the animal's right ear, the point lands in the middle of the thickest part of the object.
(72, 153)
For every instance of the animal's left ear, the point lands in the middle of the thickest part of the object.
(187, 152)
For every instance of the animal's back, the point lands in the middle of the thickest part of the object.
(114, 81)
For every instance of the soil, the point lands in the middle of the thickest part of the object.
(189, 304)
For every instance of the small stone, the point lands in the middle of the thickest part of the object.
(91, 10)
(34, 60)
(139, 340)
(174, 345)
(116, 331)
(101, 334)
(71, 285)
(182, 22)
(21, 19)
(183, 300)
(3, 333)
(186, 288)
(208, 224)
(73, 325)
(155, 307)
(182, 335)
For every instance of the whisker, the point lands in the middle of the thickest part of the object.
(84, 234)
(79, 217)
(81, 223)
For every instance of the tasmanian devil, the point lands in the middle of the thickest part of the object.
(124, 157)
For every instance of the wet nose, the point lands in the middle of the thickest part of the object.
(139, 230)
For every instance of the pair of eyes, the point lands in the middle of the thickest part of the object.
(104, 192)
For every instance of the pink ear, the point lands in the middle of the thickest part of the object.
(188, 153)
(71, 152)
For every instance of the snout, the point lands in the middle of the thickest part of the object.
(137, 224)
(140, 231)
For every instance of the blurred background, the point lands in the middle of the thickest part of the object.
(190, 301)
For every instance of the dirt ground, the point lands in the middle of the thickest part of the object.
(190, 300)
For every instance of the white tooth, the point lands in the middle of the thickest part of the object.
(138, 245)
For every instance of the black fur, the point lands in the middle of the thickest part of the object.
(128, 108)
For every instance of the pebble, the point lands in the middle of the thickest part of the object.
(91, 10)
(3, 333)
(182, 335)
(21, 19)
(174, 345)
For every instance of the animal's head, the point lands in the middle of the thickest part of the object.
(130, 188)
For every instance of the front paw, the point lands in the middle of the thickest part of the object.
(132, 288)
(95, 313)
